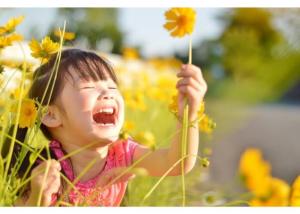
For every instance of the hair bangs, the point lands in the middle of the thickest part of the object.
(89, 66)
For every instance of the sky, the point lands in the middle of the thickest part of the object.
(143, 27)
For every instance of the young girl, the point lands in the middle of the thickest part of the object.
(86, 108)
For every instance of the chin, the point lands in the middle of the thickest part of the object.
(107, 137)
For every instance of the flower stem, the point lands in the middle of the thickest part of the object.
(15, 129)
(190, 51)
(184, 139)
(184, 133)
(166, 174)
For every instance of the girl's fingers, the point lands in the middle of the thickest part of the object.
(50, 187)
(193, 83)
(53, 185)
(190, 70)
(46, 201)
(53, 165)
(191, 92)
(53, 174)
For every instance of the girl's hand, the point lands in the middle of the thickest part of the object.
(192, 86)
(51, 185)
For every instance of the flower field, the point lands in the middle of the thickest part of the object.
(148, 88)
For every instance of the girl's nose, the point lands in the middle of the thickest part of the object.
(105, 95)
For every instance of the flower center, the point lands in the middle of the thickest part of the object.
(182, 20)
(44, 53)
(28, 112)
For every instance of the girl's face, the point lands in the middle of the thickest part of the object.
(93, 111)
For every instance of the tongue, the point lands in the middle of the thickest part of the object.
(103, 118)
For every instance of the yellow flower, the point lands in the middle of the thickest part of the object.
(162, 64)
(206, 124)
(163, 89)
(44, 49)
(130, 53)
(128, 125)
(2, 102)
(173, 107)
(278, 195)
(201, 109)
(8, 40)
(204, 162)
(28, 113)
(11, 25)
(180, 21)
(124, 135)
(256, 172)
(295, 195)
(68, 36)
(157, 93)
(166, 81)
(134, 99)
(15, 93)
(146, 138)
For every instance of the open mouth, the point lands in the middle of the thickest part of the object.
(105, 116)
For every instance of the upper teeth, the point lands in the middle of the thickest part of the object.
(106, 110)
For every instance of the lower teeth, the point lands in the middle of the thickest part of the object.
(106, 124)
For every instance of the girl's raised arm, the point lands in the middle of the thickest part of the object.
(192, 86)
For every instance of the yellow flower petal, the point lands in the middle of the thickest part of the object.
(182, 21)
(170, 15)
(28, 113)
(179, 32)
(278, 195)
(170, 25)
(44, 49)
(2, 30)
(146, 138)
(15, 37)
(295, 195)
(10, 26)
(67, 35)
(7, 40)
(130, 53)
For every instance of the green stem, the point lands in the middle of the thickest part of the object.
(184, 139)
(184, 134)
(166, 174)
(10, 152)
(190, 51)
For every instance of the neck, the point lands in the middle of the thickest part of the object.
(83, 157)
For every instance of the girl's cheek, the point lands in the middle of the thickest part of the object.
(83, 101)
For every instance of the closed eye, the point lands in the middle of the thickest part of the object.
(87, 87)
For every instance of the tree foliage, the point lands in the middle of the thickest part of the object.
(94, 27)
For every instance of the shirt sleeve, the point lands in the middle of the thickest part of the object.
(129, 147)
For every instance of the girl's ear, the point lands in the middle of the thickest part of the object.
(52, 117)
